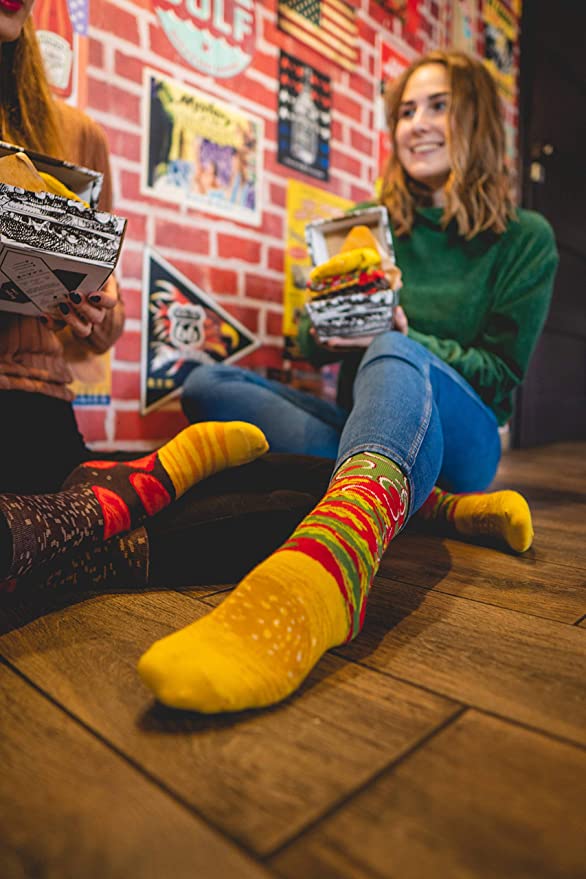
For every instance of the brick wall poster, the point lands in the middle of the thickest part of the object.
(62, 27)
(500, 37)
(201, 151)
(182, 327)
(304, 204)
(326, 26)
(305, 103)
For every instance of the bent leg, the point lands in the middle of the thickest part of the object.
(291, 420)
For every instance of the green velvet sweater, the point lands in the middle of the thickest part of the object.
(479, 305)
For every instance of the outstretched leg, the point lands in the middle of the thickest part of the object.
(101, 499)
(259, 645)
(504, 515)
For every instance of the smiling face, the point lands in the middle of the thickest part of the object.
(13, 14)
(421, 133)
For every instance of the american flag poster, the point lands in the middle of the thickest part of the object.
(327, 26)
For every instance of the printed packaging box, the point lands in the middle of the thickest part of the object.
(363, 307)
(50, 245)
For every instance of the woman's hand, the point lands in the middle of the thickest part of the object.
(400, 322)
(84, 311)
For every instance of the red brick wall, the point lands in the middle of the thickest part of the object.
(240, 265)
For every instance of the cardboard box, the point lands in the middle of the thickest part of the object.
(350, 314)
(325, 237)
(51, 245)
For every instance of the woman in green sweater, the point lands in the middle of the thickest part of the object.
(417, 406)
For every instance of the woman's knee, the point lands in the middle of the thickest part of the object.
(201, 387)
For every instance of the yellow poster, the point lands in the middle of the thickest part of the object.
(500, 35)
(304, 204)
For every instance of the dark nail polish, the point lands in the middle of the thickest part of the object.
(75, 297)
(44, 320)
(63, 308)
(95, 298)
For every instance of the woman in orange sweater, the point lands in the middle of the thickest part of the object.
(40, 442)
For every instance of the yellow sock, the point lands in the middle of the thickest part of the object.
(203, 449)
(501, 514)
(264, 639)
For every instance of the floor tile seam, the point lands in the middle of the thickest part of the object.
(466, 704)
(130, 761)
(346, 798)
(523, 613)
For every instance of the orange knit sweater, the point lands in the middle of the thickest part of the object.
(32, 357)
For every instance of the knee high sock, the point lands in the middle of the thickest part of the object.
(504, 515)
(101, 499)
(310, 595)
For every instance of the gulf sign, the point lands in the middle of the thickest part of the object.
(215, 37)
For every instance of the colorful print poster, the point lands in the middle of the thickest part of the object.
(200, 151)
(304, 118)
(182, 327)
(500, 36)
(391, 65)
(304, 204)
(215, 37)
(329, 27)
(62, 28)
(464, 23)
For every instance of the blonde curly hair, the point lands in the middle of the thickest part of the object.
(478, 194)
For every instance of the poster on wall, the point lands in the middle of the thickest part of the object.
(215, 37)
(304, 204)
(464, 23)
(200, 151)
(182, 327)
(391, 65)
(304, 118)
(328, 27)
(500, 36)
(62, 28)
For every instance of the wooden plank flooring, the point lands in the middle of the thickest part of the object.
(449, 740)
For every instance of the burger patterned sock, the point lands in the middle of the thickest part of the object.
(504, 515)
(263, 640)
(121, 563)
(103, 498)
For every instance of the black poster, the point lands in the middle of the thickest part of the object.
(182, 327)
(304, 118)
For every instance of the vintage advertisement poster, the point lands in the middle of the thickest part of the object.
(62, 28)
(391, 65)
(200, 151)
(215, 37)
(500, 36)
(304, 203)
(182, 327)
(304, 124)
(329, 27)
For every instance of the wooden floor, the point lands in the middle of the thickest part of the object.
(449, 740)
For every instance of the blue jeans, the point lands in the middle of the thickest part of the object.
(408, 405)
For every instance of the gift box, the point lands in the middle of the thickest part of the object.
(51, 245)
(361, 302)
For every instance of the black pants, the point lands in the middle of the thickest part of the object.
(40, 443)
